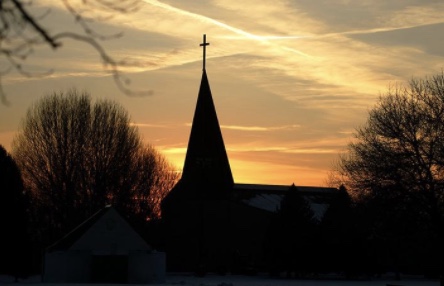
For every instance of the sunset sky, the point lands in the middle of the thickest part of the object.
(291, 80)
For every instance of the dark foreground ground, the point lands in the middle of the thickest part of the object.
(259, 280)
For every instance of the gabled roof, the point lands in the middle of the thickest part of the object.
(66, 241)
(105, 229)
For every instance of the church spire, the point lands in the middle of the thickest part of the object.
(206, 166)
(206, 154)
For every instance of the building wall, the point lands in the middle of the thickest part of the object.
(197, 235)
(142, 267)
(146, 267)
(108, 251)
(218, 235)
(67, 267)
(250, 228)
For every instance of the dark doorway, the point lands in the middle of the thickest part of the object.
(109, 269)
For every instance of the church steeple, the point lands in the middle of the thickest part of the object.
(197, 212)
(206, 172)
(206, 159)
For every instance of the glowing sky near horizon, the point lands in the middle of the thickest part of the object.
(290, 80)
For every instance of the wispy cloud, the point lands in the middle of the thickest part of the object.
(312, 151)
(245, 34)
(256, 148)
(174, 150)
(281, 149)
(283, 56)
(260, 128)
(148, 125)
(309, 50)
(416, 15)
(207, 19)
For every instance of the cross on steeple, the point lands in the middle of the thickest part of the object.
(204, 45)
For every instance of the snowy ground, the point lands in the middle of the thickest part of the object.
(267, 281)
(233, 280)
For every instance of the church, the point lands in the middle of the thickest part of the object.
(211, 223)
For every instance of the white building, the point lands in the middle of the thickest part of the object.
(103, 249)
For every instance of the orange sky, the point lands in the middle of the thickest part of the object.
(290, 81)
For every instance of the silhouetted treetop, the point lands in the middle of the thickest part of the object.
(77, 156)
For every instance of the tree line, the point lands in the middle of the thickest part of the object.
(70, 158)
(389, 214)
(394, 171)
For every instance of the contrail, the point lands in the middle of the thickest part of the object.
(371, 31)
(203, 19)
(345, 33)
(243, 33)
(267, 39)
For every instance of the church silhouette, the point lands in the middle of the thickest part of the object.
(212, 224)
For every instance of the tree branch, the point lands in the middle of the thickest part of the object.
(29, 19)
(110, 64)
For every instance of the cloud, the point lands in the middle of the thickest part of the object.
(311, 50)
(260, 128)
(423, 38)
(282, 149)
(148, 125)
(312, 151)
(256, 148)
(174, 150)
(419, 14)
(278, 54)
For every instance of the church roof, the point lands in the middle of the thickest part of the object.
(269, 197)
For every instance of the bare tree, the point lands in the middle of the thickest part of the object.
(394, 170)
(159, 175)
(76, 157)
(401, 145)
(21, 32)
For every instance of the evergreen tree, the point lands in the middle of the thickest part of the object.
(341, 246)
(13, 220)
(291, 234)
(399, 232)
